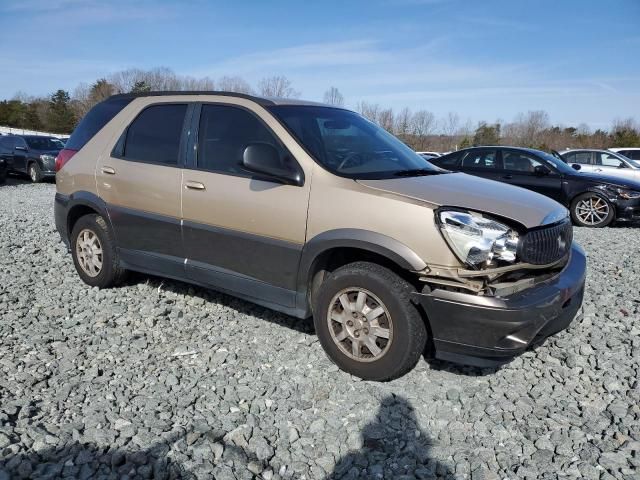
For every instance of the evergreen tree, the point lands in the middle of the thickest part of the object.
(140, 87)
(60, 118)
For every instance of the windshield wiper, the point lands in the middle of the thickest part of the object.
(417, 172)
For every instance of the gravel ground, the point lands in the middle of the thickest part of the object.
(158, 379)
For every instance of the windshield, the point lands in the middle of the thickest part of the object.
(559, 165)
(348, 145)
(44, 143)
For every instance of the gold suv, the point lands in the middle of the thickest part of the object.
(313, 210)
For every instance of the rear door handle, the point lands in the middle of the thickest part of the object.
(108, 170)
(507, 176)
(194, 185)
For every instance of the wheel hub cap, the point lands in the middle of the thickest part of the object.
(593, 210)
(89, 252)
(360, 324)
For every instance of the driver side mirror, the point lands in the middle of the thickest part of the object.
(264, 159)
(541, 170)
(576, 166)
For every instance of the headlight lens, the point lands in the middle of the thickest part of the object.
(478, 240)
(627, 194)
(48, 158)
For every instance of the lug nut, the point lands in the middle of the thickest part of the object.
(350, 323)
(366, 331)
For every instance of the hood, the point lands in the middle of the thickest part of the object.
(474, 193)
(618, 181)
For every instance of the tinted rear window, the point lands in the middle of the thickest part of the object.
(154, 136)
(44, 143)
(93, 121)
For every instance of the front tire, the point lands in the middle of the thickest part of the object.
(35, 173)
(94, 252)
(366, 323)
(592, 210)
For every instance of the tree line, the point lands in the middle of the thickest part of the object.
(421, 129)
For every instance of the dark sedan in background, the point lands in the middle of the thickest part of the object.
(33, 155)
(593, 200)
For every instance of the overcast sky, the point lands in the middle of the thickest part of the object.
(486, 60)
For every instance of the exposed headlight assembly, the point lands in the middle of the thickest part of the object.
(48, 158)
(627, 194)
(478, 240)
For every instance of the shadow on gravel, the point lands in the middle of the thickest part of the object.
(86, 461)
(393, 445)
(243, 307)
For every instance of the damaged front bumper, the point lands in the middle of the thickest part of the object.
(486, 331)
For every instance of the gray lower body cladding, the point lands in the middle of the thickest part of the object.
(488, 331)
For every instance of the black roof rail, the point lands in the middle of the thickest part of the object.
(259, 100)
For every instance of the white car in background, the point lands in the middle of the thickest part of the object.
(633, 153)
(605, 162)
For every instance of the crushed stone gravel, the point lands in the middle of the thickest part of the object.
(160, 379)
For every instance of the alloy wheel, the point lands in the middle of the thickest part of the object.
(360, 324)
(89, 252)
(592, 210)
(33, 174)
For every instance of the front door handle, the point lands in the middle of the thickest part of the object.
(507, 176)
(194, 185)
(108, 170)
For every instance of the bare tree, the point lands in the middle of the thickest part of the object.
(234, 84)
(370, 111)
(423, 125)
(277, 86)
(197, 84)
(386, 119)
(333, 97)
(403, 122)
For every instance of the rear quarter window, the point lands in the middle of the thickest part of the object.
(447, 161)
(94, 120)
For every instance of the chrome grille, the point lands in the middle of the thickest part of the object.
(547, 244)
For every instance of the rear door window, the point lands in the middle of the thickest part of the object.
(450, 160)
(155, 135)
(583, 158)
(481, 160)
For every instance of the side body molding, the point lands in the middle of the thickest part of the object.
(366, 240)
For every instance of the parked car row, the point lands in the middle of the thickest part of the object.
(594, 200)
(32, 155)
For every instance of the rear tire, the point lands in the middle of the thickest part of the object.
(35, 174)
(592, 210)
(366, 323)
(94, 252)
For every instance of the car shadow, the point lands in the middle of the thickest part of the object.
(243, 307)
(391, 445)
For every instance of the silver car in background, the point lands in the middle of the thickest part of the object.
(605, 162)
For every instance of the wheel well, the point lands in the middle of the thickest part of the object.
(334, 258)
(75, 213)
